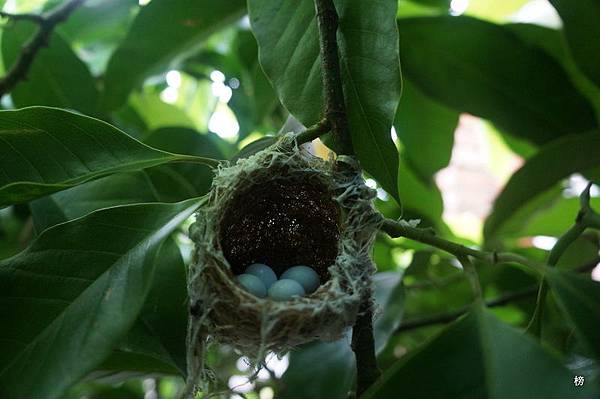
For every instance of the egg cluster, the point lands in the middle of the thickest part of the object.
(261, 280)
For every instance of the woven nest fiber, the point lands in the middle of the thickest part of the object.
(282, 207)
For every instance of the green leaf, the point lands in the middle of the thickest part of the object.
(579, 297)
(157, 113)
(486, 70)
(426, 130)
(46, 150)
(319, 370)
(289, 53)
(479, 357)
(389, 298)
(162, 31)
(57, 77)
(580, 24)
(75, 292)
(163, 183)
(555, 161)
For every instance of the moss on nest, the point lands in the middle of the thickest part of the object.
(281, 206)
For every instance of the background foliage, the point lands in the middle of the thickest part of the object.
(101, 152)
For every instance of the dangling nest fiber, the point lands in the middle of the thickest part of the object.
(282, 207)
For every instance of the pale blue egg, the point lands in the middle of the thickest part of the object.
(252, 284)
(263, 272)
(285, 289)
(305, 276)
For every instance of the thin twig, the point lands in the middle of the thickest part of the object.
(313, 132)
(585, 218)
(20, 68)
(38, 19)
(426, 236)
(443, 318)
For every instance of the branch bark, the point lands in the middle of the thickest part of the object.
(335, 107)
(336, 120)
(22, 65)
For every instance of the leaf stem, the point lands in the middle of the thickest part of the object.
(472, 276)
(181, 158)
(47, 23)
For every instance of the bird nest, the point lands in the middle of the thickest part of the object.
(282, 207)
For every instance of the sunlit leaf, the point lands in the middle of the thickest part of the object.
(168, 28)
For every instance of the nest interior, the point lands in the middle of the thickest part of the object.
(282, 222)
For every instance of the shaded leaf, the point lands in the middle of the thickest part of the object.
(580, 24)
(486, 70)
(57, 76)
(289, 53)
(389, 299)
(320, 370)
(169, 28)
(579, 297)
(46, 150)
(552, 163)
(426, 130)
(479, 357)
(74, 293)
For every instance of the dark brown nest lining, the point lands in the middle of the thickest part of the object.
(282, 207)
(282, 222)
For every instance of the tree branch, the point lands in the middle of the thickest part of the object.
(399, 229)
(363, 345)
(38, 19)
(47, 23)
(335, 108)
(443, 318)
(313, 132)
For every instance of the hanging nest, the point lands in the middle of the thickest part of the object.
(282, 207)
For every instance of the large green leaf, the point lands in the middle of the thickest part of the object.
(479, 357)
(289, 53)
(486, 70)
(46, 150)
(389, 300)
(579, 296)
(72, 295)
(580, 19)
(426, 130)
(319, 370)
(162, 31)
(557, 160)
(57, 77)
(163, 183)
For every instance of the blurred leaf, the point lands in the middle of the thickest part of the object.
(169, 29)
(579, 297)
(75, 292)
(47, 150)
(254, 147)
(580, 24)
(389, 300)
(426, 130)
(319, 370)
(552, 41)
(164, 183)
(479, 357)
(57, 77)
(425, 200)
(482, 69)
(157, 113)
(553, 162)
(371, 73)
